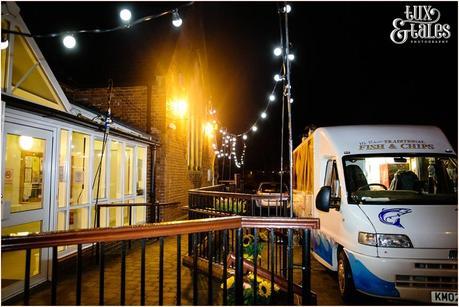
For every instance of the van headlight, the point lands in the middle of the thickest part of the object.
(384, 240)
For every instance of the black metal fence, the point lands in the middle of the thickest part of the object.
(223, 234)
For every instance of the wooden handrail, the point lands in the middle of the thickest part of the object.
(280, 222)
(84, 236)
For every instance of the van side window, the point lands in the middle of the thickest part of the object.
(331, 179)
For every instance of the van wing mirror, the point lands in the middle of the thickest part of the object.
(323, 199)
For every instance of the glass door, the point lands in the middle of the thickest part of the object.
(26, 200)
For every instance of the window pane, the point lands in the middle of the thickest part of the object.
(141, 158)
(23, 176)
(140, 211)
(115, 217)
(129, 170)
(115, 170)
(63, 169)
(13, 263)
(61, 220)
(126, 213)
(78, 218)
(80, 166)
(99, 170)
(61, 226)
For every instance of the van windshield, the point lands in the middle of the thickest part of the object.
(401, 179)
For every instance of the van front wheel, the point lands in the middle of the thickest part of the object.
(345, 282)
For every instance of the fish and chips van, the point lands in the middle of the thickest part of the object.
(387, 201)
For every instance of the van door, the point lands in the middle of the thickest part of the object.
(26, 200)
(330, 222)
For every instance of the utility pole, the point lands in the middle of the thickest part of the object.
(289, 110)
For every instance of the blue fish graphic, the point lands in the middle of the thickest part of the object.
(392, 216)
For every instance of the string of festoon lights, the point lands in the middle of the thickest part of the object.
(229, 141)
(69, 38)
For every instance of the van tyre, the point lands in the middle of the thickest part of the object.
(345, 282)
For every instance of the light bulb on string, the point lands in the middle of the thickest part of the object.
(69, 41)
(287, 8)
(291, 100)
(125, 15)
(254, 128)
(278, 78)
(176, 20)
(291, 57)
(277, 51)
(263, 115)
(272, 97)
(4, 45)
(244, 137)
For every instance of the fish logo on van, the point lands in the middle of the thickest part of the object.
(392, 216)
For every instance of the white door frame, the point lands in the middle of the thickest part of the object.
(43, 214)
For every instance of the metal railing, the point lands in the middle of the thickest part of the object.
(212, 227)
(214, 198)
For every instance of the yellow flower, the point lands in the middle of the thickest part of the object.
(247, 240)
(264, 288)
(229, 282)
(248, 257)
(263, 234)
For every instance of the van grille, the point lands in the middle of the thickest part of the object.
(431, 282)
(436, 266)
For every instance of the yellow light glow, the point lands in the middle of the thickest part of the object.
(25, 142)
(179, 108)
(210, 128)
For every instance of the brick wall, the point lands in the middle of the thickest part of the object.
(129, 104)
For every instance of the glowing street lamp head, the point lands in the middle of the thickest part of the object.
(125, 15)
(69, 41)
(179, 108)
(272, 97)
(277, 51)
(176, 20)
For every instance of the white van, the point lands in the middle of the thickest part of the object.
(387, 201)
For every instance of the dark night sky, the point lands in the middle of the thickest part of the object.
(346, 71)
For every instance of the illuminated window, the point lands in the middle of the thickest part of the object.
(115, 170)
(79, 175)
(63, 169)
(139, 211)
(141, 165)
(29, 79)
(129, 170)
(78, 218)
(99, 176)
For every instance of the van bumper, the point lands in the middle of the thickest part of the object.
(398, 278)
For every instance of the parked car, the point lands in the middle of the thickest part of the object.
(271, 189)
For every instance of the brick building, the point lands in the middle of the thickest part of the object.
(173, 106)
